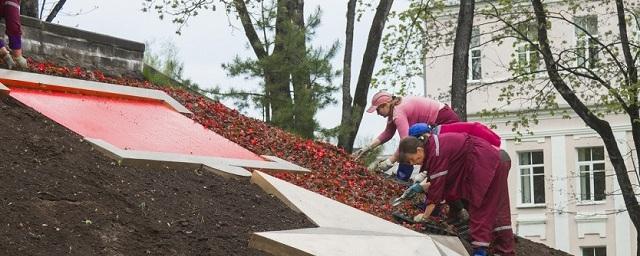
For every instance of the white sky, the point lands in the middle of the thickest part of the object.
(208, 41)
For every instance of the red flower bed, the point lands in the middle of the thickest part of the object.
(334, 175)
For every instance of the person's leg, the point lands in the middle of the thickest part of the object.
(482, 220)
(503, 243)
(14, 30)
(459, 219)
(485, 217)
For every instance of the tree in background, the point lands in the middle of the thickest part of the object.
(296, 78)
(352, 112)
(460, 69)
(595, 75)
(163, 65)
(403, 57)
(36, 9)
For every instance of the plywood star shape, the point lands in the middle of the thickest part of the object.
(342, 229)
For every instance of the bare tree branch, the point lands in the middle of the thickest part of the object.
(54, 12)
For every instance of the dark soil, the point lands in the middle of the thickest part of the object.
(527, 247)
(60, 196)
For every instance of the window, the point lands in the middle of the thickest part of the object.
(475, 55)
(531, 177)
(528, 58)
(586, 44)
(594, 251)
(592, 178)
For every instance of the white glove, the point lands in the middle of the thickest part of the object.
(419, 177)
(360, 152)
(383, 165)
(419, 218)
(8, 60)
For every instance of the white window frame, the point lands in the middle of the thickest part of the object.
(527, 49)
(593, 248)
(471, 59)
(590, 163)
(475, 49)
(583, 54)
(531, 179)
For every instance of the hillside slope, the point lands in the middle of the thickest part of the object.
(59, 196)
(334, 175)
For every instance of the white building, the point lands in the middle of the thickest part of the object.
(562, 187)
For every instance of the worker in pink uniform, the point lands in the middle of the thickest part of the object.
(462, 166)
(401, 113)
(10, 12)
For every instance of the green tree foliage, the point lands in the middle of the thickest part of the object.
(163, 65)
(412, 34)
(296, 77)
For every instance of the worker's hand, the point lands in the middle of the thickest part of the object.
(420, 218)
(383, 165)
(360, 152)
(8, 61)
(463, 214)
(419, 177)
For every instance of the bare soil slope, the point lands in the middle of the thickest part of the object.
(60, 196)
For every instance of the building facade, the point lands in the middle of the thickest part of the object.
(563, 189)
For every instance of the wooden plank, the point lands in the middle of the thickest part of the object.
(11, 78)
(4, 89)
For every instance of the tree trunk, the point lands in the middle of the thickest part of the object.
(54, 12)
(305, 106)
(461, 59)
(345, 126)
(600, 126)
(281, 102)
(366, 71)
(632, 74)
(258, 47)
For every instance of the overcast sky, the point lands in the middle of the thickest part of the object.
(209, 41)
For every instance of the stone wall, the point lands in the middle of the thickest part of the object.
(74, 47)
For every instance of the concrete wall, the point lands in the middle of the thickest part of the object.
(74, 47)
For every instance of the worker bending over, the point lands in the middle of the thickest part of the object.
(462, 166)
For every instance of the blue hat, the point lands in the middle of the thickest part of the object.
(419, 129)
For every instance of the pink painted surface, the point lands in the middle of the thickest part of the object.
(131, 124)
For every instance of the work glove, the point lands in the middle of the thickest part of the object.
(413, 190)
(463, 214)
(360, 152)
(382, 165)
(8, 60)
(420, 218)
(21, 62)
(419, 177)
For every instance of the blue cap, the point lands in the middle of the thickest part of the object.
(419, 129)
